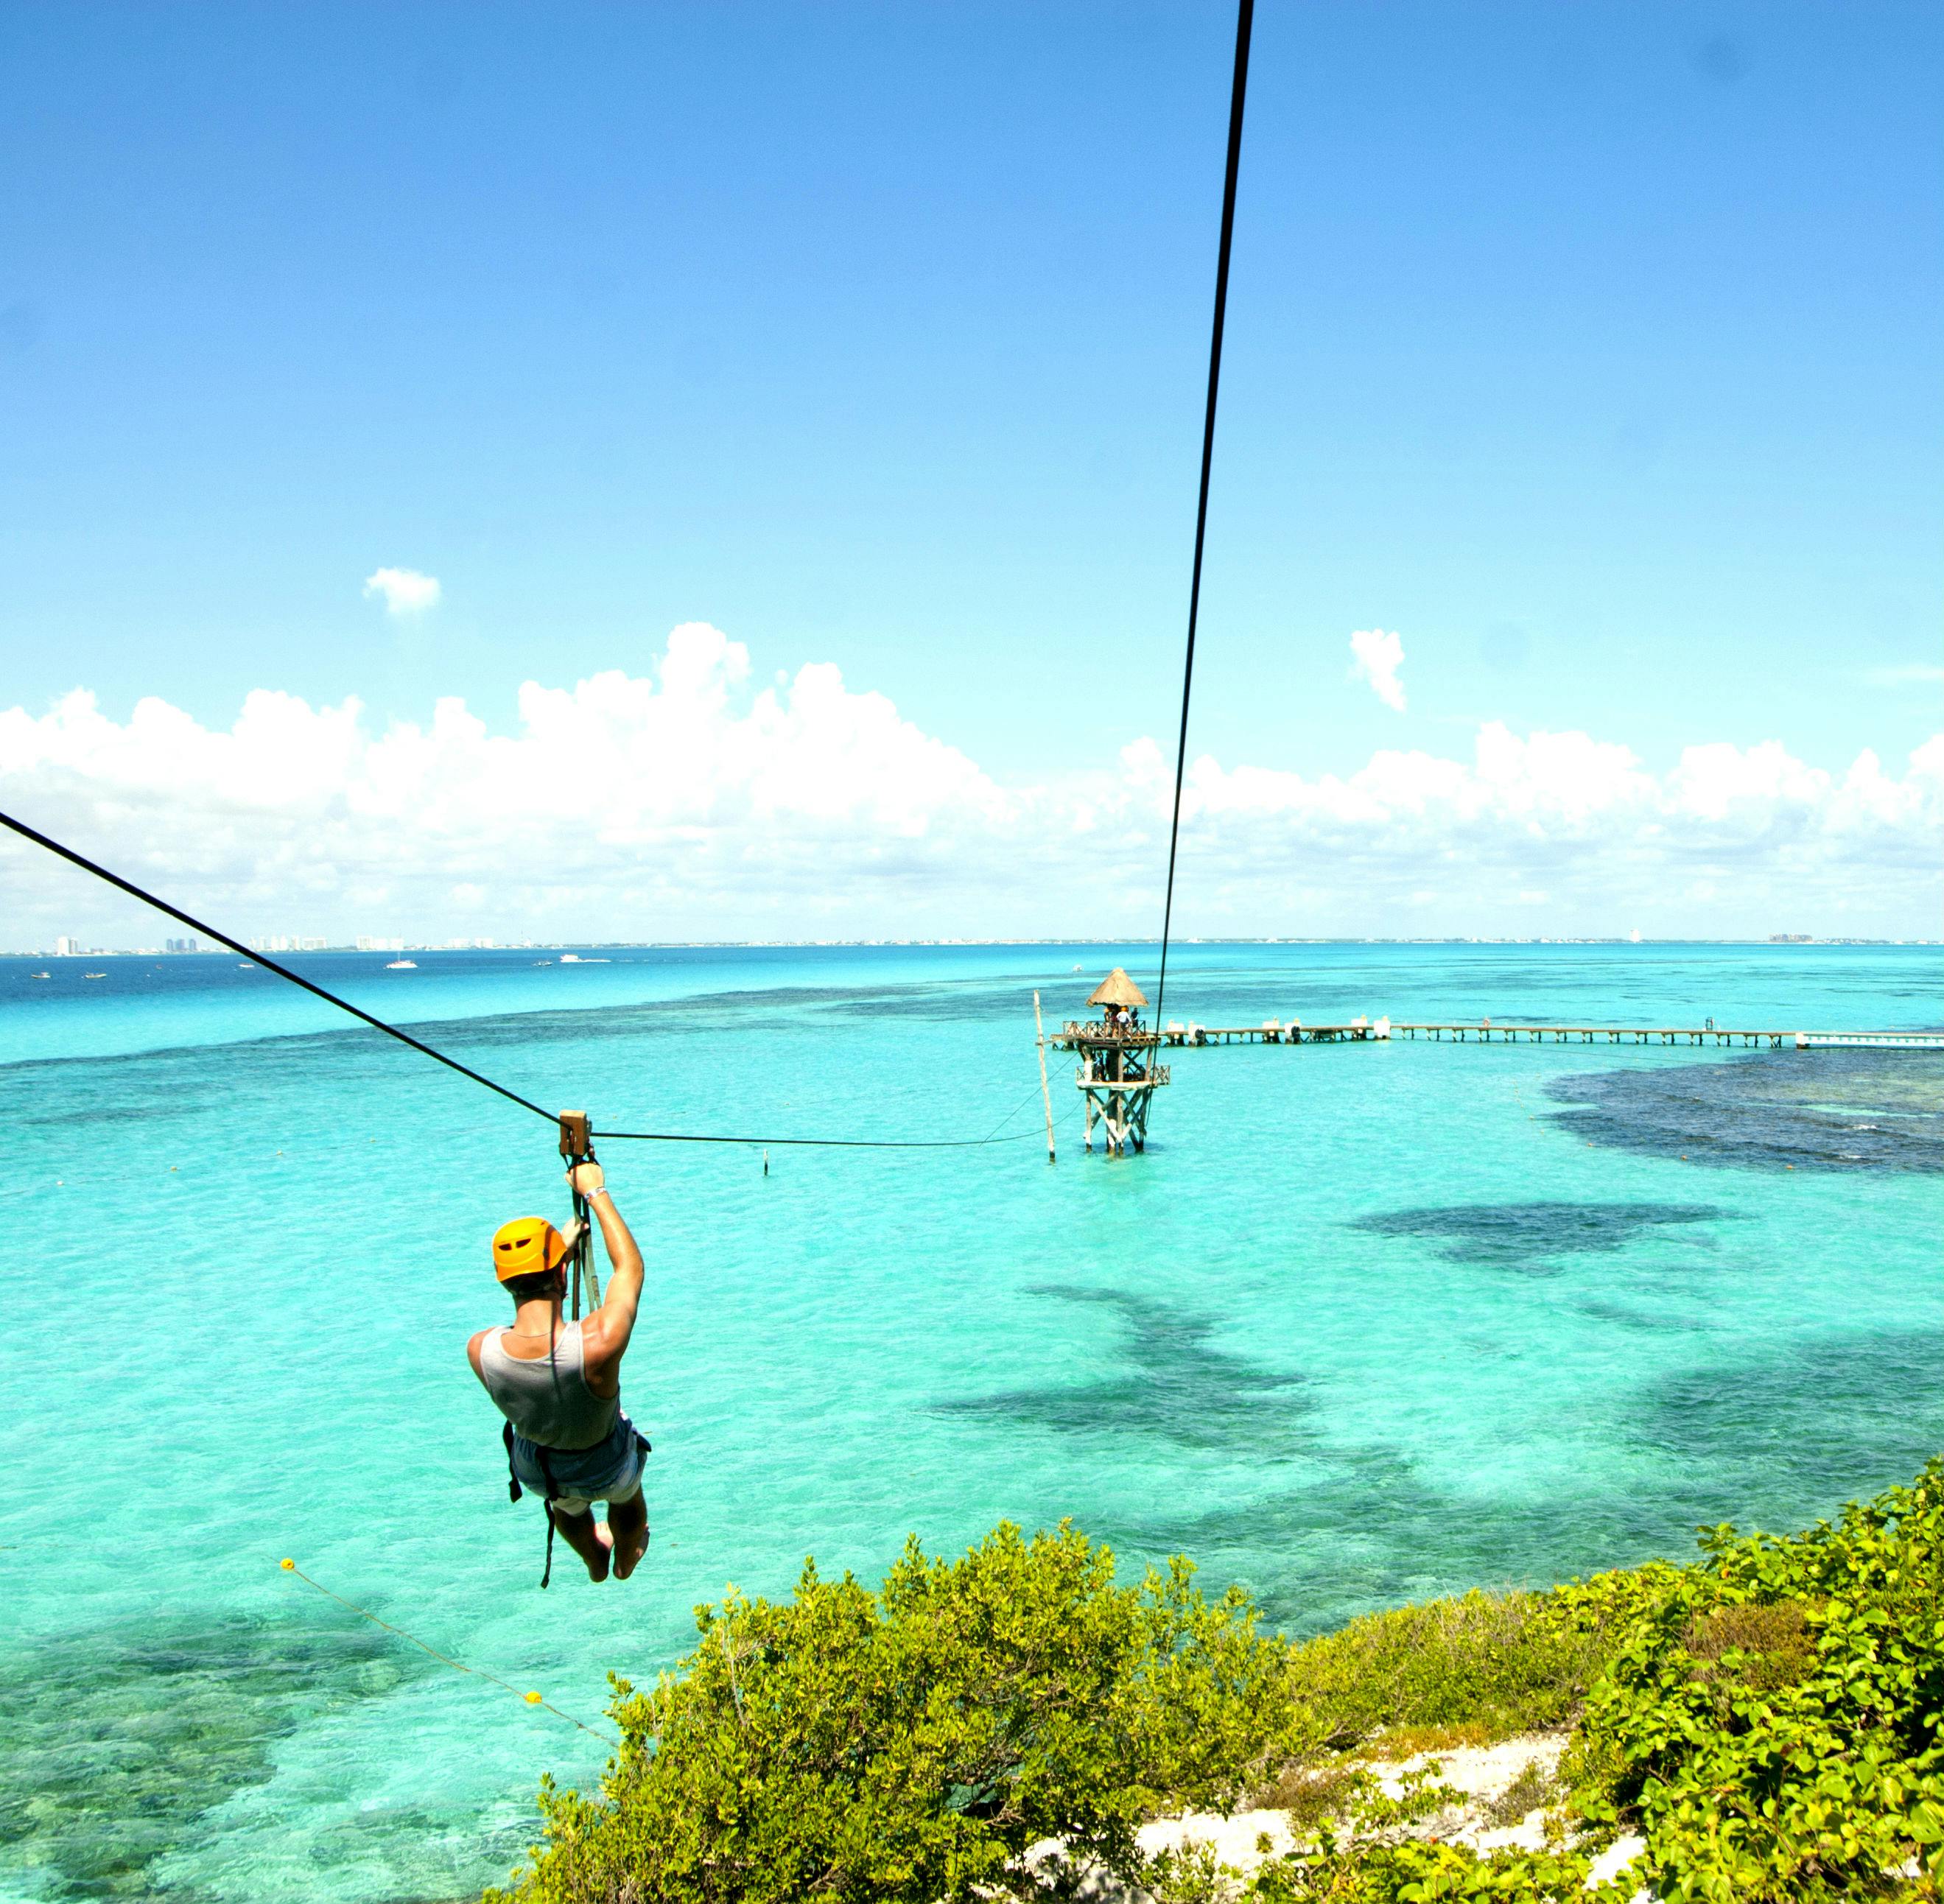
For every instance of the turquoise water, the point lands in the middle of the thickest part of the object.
(1366, 1323)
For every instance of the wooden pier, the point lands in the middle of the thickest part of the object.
(1118, 1074)
(1074, 1036)
(1486, 1032)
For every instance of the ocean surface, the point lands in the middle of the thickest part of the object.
(1366, 1323)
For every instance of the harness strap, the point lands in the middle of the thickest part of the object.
(552, 1495)
(515, 1491)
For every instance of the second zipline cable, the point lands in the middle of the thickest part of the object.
(1245, 17)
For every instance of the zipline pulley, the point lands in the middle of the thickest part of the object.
(576, 1146)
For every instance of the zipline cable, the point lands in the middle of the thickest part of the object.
(841, 1143)
(147, 898)
(1245, 16)
(269, 964)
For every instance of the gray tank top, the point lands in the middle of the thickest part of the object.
(548, 1401)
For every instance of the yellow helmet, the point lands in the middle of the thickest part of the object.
(526, 1247)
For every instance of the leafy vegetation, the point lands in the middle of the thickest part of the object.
(1531, 1789)
(1771, 1720)
(1447, 1673)
(914, 1742)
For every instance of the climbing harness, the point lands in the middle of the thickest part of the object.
(552, 1491)
(515, 1491)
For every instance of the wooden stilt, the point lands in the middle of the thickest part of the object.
(1039, 1027)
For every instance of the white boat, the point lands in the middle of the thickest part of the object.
(403, 965)
(574, 958)
(40, 975)
(94, 975)
(245, 966)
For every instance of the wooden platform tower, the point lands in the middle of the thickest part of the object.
(1117, 1073)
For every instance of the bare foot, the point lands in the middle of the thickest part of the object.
(628, 1557)
(598, 1561)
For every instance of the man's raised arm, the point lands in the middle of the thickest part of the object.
(605, 1335)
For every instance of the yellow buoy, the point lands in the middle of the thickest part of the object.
(288, 1566)
(533, 1698)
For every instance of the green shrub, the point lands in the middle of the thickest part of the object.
(1375, 1860)
(910, 1744)
(1467, 1670)
(1414, 1873)
(1311, 1795)
(1534, 1787)
(1772, 1721)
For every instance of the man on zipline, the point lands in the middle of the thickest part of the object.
(558, 1383)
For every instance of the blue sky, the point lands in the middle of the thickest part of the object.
(1592, 348)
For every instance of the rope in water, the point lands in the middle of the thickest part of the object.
(205, 931)
(444, 1660)
(1244, 23)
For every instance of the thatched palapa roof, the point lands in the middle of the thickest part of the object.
(1117, 989)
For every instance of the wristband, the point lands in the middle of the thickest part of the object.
(599, 1190)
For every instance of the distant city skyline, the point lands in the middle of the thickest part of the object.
(170, 948)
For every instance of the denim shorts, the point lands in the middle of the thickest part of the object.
(609, 1471)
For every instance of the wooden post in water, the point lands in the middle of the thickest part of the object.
(1039, 1026)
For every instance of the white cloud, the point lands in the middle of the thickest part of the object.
(405, 590)
(1375, 657)
(689, 803)
(1912, 674)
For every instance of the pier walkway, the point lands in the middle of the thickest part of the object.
(1073, 1035)
(1487, 1033)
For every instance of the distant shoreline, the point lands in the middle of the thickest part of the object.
(1792, 940)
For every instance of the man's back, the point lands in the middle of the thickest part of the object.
(543, 1390)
